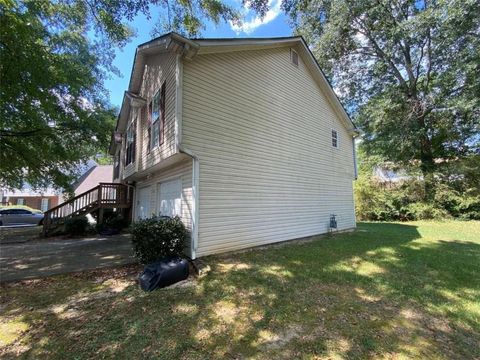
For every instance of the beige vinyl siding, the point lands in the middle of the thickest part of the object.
(159, 68)
(261, 128)
(182, 170)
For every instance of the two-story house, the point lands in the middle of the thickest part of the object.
(244, 139)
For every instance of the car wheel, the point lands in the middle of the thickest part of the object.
(40, 223)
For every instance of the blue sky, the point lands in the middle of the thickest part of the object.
(274, 24)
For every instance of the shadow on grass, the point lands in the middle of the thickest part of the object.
(380, 291)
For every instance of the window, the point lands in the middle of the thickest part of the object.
(130, 143)
(294, 57)
(156, 110)
(20, 201)
(44, 205)
(20, 212)
(334, 138)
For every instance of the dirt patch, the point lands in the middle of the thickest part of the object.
(20, 234)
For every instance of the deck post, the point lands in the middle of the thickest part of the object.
(100, 216)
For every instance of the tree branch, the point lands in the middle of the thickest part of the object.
(19, 133)
(382, 55)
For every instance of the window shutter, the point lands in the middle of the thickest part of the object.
(134, 142)
(149, 129)
(162, 113)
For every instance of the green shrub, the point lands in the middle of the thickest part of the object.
(77, 225)
(469, 208)
(424, 211)
(377, 202)
(156, 237)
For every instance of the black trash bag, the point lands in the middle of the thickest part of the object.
(164, 272)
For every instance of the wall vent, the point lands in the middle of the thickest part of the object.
(294, 57)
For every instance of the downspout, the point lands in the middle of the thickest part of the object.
(181, 149)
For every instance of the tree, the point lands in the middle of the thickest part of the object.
(407, 70)
(54, 56)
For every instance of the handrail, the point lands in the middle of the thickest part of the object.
(71, 199)
(102, 195)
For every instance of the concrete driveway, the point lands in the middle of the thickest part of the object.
(43, 258)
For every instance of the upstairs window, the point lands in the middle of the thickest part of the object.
(130, 143)
(335, 139)
(156, 110)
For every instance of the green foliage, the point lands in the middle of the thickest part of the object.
(407, 70)
(187, 16)
(424, 211)
(404, 201)
(54, 112)
(76, 226)
(155, 238)
(54, 57)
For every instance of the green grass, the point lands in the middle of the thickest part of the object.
(394, 291)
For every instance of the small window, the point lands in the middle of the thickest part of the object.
(156, 110)
(334, 138)
(44, 204)
(20, 212)
(20, 201)
(294, 57)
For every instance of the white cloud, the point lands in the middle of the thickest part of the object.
(251, 25)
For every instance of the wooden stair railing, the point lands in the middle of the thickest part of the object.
(104, 195)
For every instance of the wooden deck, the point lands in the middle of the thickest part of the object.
(105, 195)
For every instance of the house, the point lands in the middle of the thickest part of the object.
(95, 175)
(244, 139)
(92, 174)
(41, 200)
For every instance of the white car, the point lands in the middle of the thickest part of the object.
(13, 216)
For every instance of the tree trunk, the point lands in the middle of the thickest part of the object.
(427, 166)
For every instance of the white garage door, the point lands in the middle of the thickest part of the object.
(143, 203)
(170, 198)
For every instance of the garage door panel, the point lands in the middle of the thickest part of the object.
(143, 203)
(170, 198)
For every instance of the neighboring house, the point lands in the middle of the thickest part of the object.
(41, 200)
(244, 139)
(92, 177)
(390, 177)
(45, 199)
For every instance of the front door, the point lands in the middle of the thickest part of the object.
(143, 203)
(170, 198)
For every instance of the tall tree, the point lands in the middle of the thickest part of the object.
(408, 70)
(54, 57)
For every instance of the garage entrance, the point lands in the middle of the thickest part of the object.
(169, 201)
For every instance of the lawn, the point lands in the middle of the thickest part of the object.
(394, 291)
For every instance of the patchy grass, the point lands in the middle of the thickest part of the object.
(393, 291)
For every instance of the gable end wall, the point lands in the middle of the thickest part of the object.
(261, 128)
